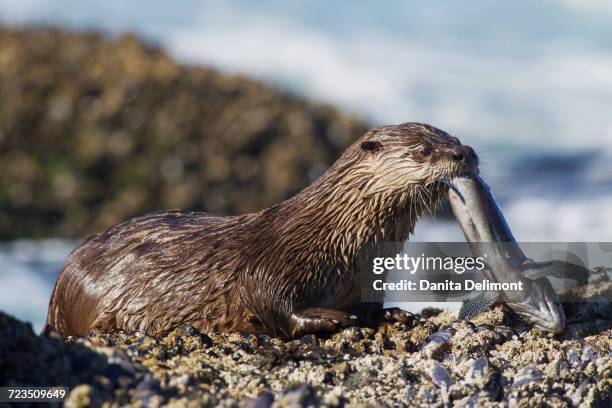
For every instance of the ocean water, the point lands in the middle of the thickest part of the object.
(27, 273)
(528, 84)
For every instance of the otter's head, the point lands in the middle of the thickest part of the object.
(411, 158)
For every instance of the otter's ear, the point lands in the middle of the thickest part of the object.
(371, 146)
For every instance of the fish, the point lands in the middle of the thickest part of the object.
(489, 236)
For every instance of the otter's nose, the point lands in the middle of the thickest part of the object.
(464, 154)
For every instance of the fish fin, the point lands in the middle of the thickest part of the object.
(478, 304)
(558, 269)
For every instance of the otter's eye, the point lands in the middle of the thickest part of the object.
(425, 150)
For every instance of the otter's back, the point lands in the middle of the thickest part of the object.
(125, 277)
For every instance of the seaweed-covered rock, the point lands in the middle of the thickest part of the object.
(94, 130)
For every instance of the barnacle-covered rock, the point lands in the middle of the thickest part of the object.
(477, 364)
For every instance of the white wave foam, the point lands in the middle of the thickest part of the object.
(511, 86)
(534, 219)
(572, 220)
(561, 93)
(589, 6)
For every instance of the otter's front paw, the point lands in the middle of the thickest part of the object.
(395, 314)
(319, 320)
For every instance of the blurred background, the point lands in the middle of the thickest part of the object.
(110, 109)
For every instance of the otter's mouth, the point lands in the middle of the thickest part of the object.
(444, 184)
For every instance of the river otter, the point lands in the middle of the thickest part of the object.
(286, 270)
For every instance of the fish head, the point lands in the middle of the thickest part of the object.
(541, 307)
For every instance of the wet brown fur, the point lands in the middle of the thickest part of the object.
(273, 271)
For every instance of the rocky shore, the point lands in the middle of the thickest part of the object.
(439, 361)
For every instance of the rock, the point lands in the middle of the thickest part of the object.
(436, 345)
(83, 396)
(479, 367)
(527, 375)
(298, 396)
(101, 129)
(264, 400)
(440, 376)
